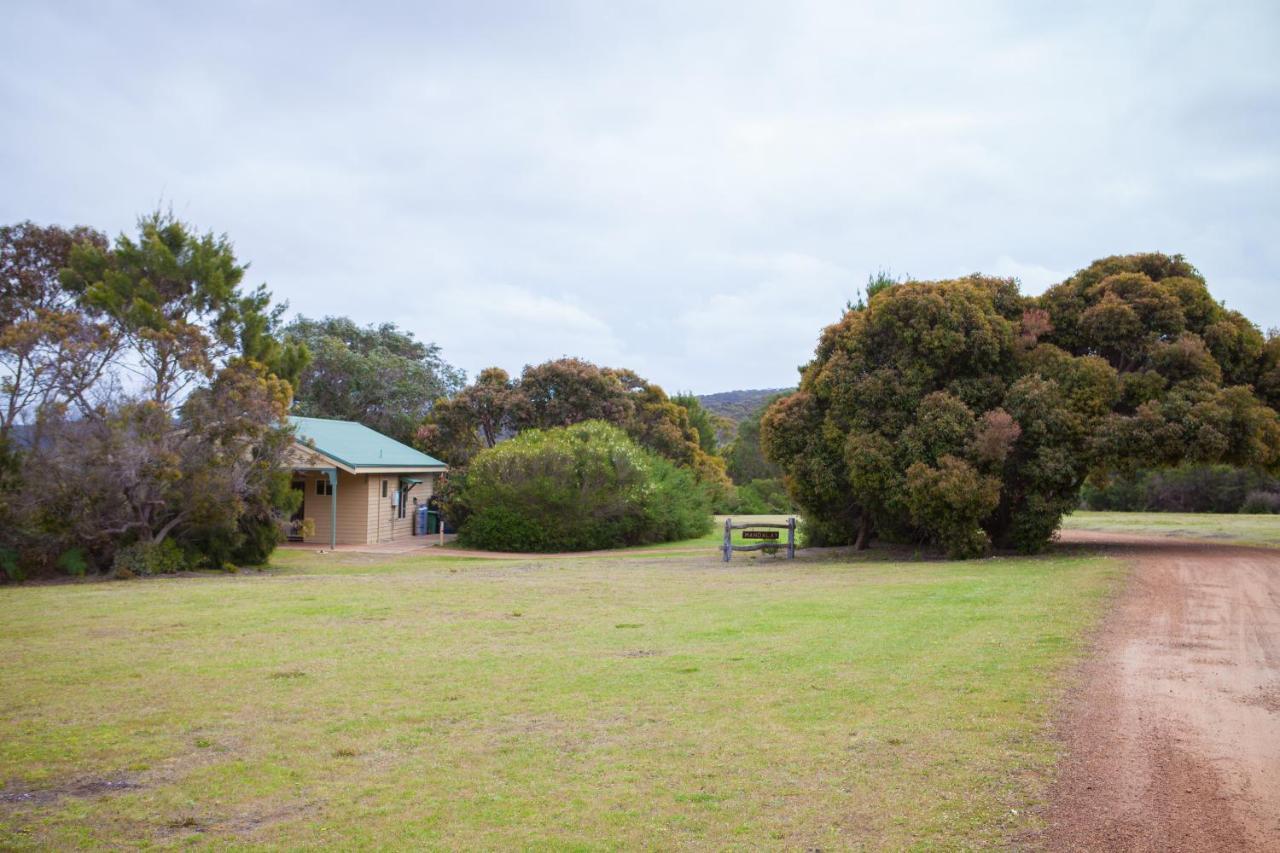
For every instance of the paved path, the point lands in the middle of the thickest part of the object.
(1173, 738)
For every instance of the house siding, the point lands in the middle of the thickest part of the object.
(353, 509)
(364, 516)
(384, 525)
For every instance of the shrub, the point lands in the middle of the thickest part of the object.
(759, 497)
(74, 562)
(577, 488)
(1187, 488)
(1261, 503)
(147, 558)
(9, 564)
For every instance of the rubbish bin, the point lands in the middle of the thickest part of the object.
(420, 521)
(433, 522)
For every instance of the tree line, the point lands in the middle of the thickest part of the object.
(145, 388)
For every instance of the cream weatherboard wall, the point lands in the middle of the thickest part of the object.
(353, 505)
(364, 515)
(385, 525)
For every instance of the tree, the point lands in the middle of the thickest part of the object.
(134, 474)
(380, 376)
(963, 413)
(473, 419)
(173, 296)
(564, 392)
(708, 424)
(51, 351)
(567, 391)
(180, 430)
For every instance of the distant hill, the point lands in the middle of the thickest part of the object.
(737, 406)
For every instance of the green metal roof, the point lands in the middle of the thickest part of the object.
(357, 446)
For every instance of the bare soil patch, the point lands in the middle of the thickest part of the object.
(1167, 747)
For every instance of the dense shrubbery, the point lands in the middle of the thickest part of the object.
(1261, 503)
(583, 487)
(758, 497)
(148, 558)
(965, 414)
(1190, 488)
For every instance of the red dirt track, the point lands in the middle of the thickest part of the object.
(1173, 737)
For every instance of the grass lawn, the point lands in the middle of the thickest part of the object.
(1243, 529)
(644, 701)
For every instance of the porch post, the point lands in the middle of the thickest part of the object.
(332, 474)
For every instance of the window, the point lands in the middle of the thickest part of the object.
(384, 488)
(324, 487)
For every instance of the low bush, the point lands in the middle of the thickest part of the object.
(74, 562)
(147, 558)
(577, 488)
(1261, 503)
(1189, 488)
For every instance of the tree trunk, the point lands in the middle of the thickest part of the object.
(864, 533)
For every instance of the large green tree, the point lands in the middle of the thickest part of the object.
(52, 352)
(180, 433)
(965, 414)
(560, 393)
(379, 375)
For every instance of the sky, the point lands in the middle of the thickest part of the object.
(691, 190)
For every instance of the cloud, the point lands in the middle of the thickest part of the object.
(689, 189)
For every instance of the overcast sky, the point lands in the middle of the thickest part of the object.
(690, 190)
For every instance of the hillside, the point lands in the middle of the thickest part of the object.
(738, 405)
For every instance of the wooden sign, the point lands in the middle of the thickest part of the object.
(759, 534)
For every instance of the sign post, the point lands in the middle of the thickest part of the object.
(767, 538)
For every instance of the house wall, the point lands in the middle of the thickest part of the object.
(384, 526)
(353, 508)
(364, 516)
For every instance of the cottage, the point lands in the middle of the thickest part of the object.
(359, 486)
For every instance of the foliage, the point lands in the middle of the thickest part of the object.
(1260, 503)
(744, 458)
(51, 351)
(577, 488)
(707, 424)
(561, 393)
(74, 562)
(1187, 488)
(758, 497)
(380, 376)
(149, 558)
(476, 417)
(154, 389)
(171, 295)
(965, 414)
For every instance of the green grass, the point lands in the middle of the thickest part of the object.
(644, 701)
(1239, 529)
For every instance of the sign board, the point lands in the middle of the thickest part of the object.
(759, 534)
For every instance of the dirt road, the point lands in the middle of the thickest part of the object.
(1173, 738)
